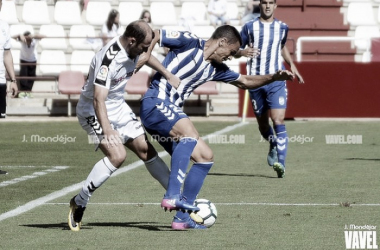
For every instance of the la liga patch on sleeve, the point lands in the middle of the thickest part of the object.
(103, 72)
(172, 34)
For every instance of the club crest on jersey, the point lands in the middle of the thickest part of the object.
(103, 72)
(172, 34)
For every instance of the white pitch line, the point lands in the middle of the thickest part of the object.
(230, 204)
(34, 175)
(40, 201)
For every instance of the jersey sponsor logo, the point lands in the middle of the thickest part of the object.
(172, 34)
(103, 72)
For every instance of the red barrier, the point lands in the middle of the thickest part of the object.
(332, 89)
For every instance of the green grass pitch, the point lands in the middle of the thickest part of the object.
(327, 186)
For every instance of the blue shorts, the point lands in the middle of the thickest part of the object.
(159, 116)
(271, 96)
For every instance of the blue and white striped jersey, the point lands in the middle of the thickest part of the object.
(185, 60)
(270, 38)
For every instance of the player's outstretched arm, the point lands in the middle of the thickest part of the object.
(256, 81)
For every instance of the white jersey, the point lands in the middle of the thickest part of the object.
(110, 68)
(5, 44)
(29, 53)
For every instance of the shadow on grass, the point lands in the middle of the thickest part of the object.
(361, 159)
(244, 175)
(141, 225)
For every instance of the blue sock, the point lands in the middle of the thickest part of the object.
(180, 160)
(193, 183)
(282, 143)
(269, 136)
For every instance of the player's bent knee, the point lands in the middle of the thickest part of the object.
(117, 157)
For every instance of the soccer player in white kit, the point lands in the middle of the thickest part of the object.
(104, 114)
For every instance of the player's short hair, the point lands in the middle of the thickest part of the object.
(136, 30)
(229, 32)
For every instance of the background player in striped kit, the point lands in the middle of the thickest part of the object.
(194, 61)
(106, 117)
(266, 38)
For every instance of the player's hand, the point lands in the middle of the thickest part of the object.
(251, 52)
(298, 75)
(111, 139)
(283, 75)
(14, 89)
(174, 80)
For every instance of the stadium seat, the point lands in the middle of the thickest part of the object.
(138, 83)
(67, 13)
(163, 13)
(35, 13)
(174, 27)
(196, 11)
(129, 11)
(17, 29)
(203, 32)
(375, 49)
(82, 36)
(365, 33)
(70, 83)
(8, 12)
(80, 60)
(360, 13)
(56, 31)
(16, 60)
(208, 88)
(52, 62)
(233, 13)
(97, 12)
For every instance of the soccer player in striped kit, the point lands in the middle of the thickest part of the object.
(195, 61)
(266, 37)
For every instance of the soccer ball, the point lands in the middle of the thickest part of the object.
(207, 211)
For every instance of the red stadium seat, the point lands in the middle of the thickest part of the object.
(70, 83)
(375, 49)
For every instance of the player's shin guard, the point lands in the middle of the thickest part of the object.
(102, 170)
(180, 159)
(159, 170)
(282, 143)
(3, 102)
(193, 183)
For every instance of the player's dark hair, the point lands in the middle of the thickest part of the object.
(26, 33)
(136, 30)
(229, 32)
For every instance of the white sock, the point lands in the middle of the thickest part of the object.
(159, 170)
(102, 170)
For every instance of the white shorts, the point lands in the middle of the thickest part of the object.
(122, 119)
